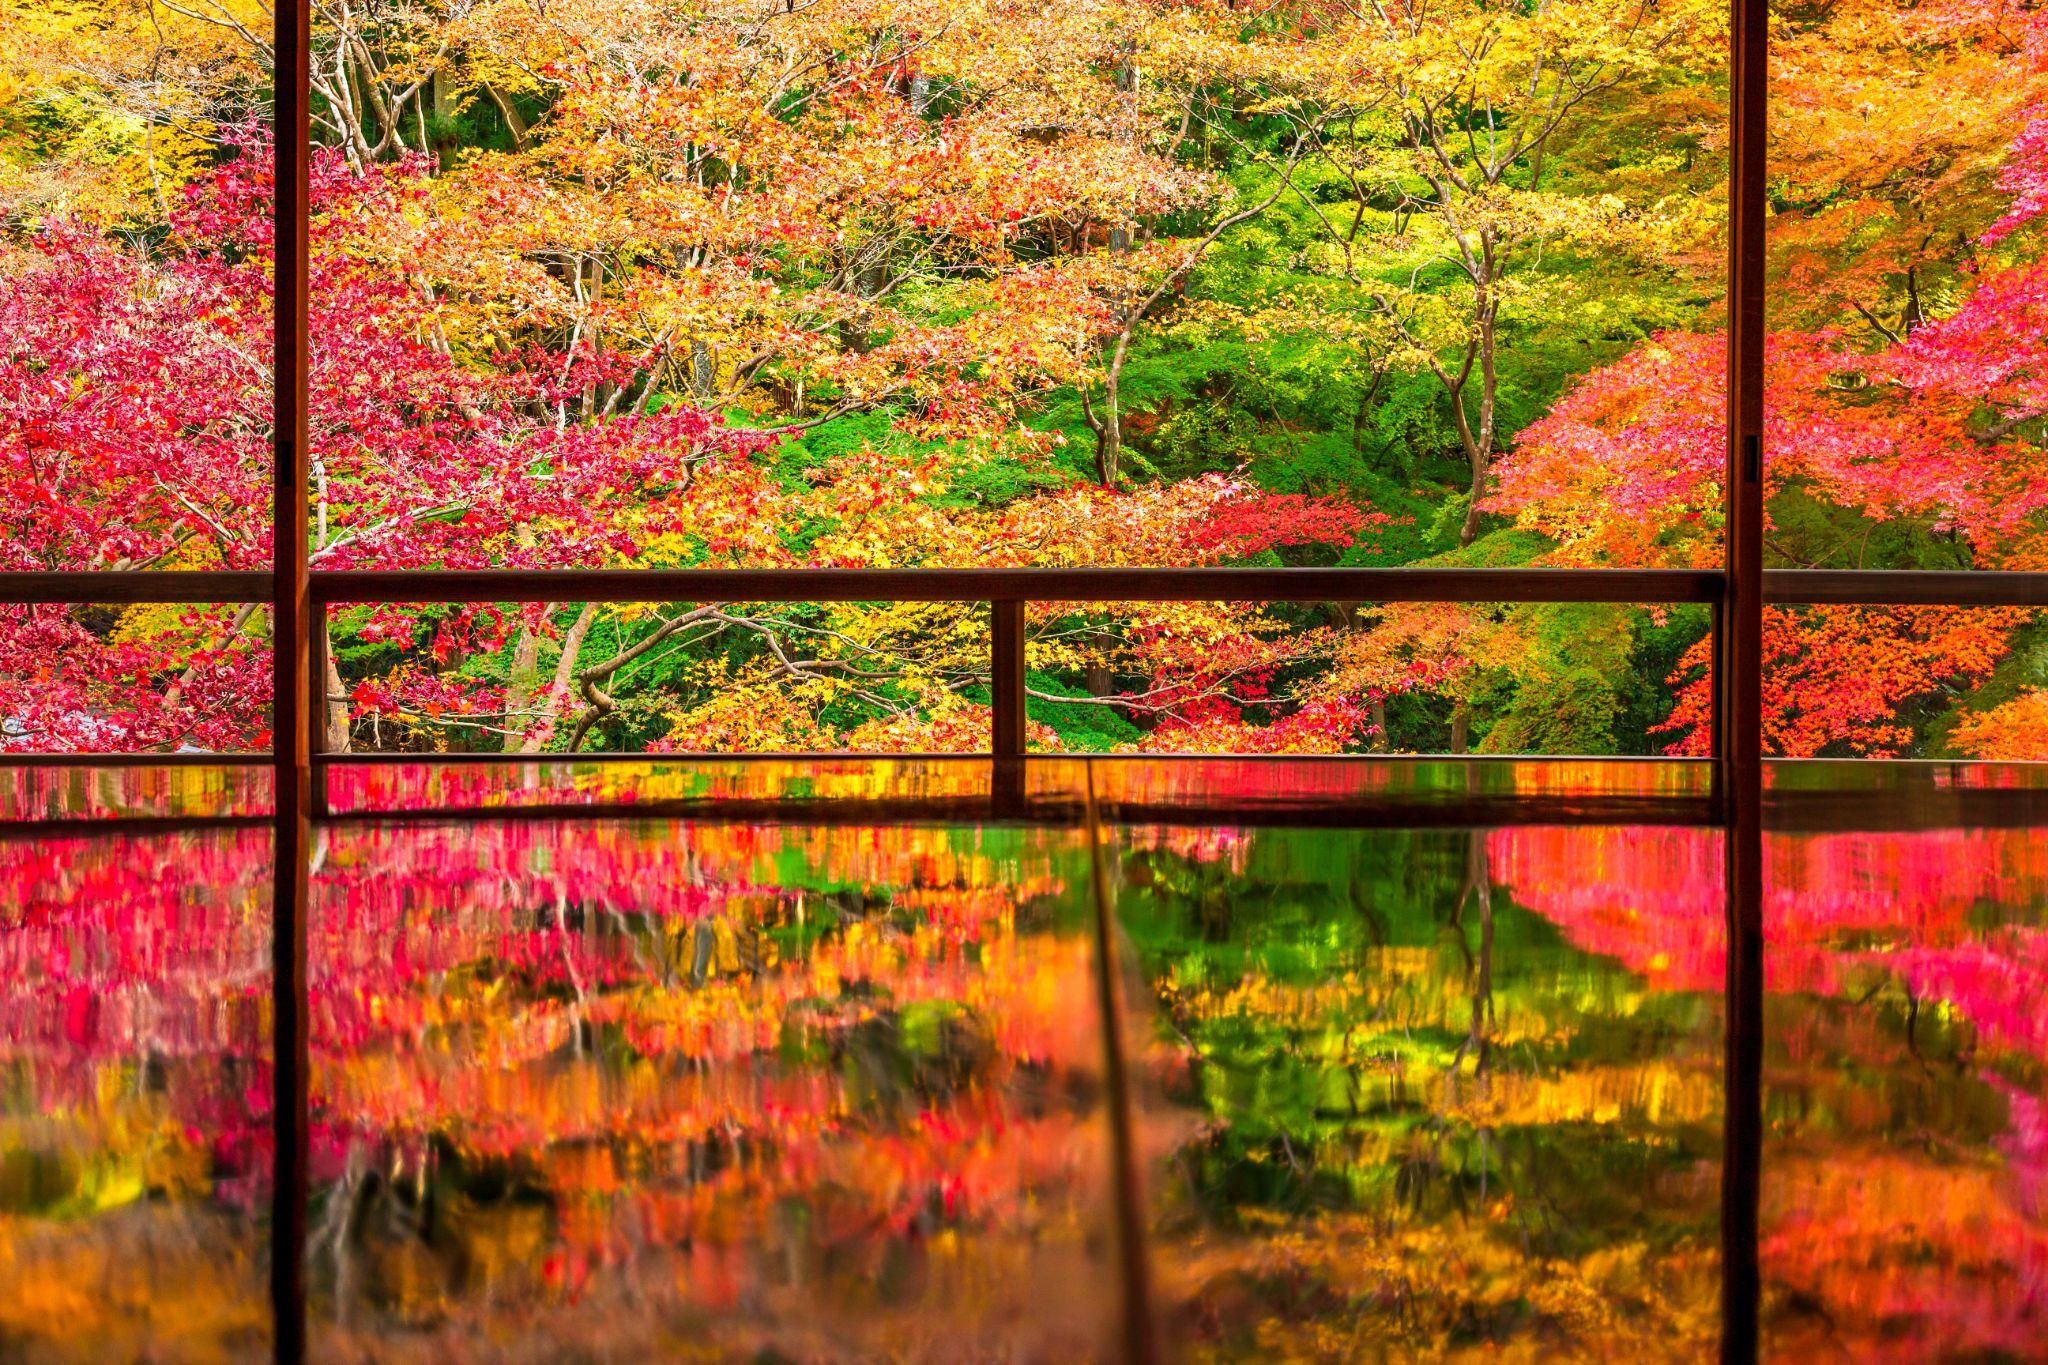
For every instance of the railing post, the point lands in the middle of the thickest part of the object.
(1006, 696)
(1006, 682)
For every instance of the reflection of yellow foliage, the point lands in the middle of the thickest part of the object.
(1431, 1291)
(123, 1148)
(147, 1283)
(1657, 1093)
(501, 1246)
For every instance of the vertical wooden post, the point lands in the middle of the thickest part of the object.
(1740, 729)
(1006, 697)
(290, 719)
(1006, 686)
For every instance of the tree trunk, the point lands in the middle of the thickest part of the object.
(1469, 532)
(703, 374)
(513, 123)
(336, 708)
(1108, 423)
(565, 678)
(1479, 444)
(522, 682)
(866, 284)
(1479, 877)
(369, 86)
(441, 91)
(1109, 446)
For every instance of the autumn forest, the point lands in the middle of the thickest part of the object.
(740, 1016)
(888, 283)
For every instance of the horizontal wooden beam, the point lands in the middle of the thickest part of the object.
(88, 827)
(1023, 585)
(1840, 587)
(86, 758)
(200, 587)
(1905, 587)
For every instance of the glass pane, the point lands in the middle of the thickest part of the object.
(139, 679)
(1905, 1196)
(134, 289)
(135, 1095)
(730, 677)
(1428, 1093)
(757, 1090)
(1903, 422)
(1330, 678)
(1166, 284)
(1595, 678)
(1905, 682)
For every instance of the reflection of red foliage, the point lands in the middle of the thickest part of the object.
(1911, 1254)
(1896, 901)
(460, 975)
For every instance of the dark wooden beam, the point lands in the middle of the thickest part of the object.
(133, 760)
(1875, 587)
(127, 828)
(1906, 587)
(147, 585)
(1739, 730)
(1023, 585)
(1006, 679)
(291, 607)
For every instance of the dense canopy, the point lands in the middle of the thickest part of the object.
(889, 283)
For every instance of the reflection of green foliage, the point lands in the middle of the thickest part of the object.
(1355, 960)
